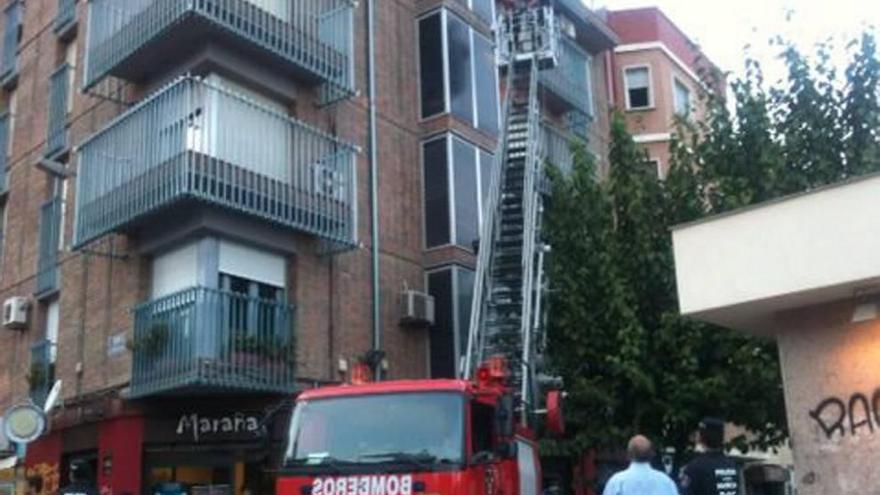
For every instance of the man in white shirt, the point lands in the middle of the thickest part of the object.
(640, 478)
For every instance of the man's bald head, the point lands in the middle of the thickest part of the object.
(640, 449)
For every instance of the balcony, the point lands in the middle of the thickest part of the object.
(197, 143)
(59, 89)
(311, 39)
(558, 147)
(569, 82)
(11, 35)
(42, 372)
(65, 19)
(207, 340)
(50, 235)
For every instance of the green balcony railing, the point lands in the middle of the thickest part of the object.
(5, 121)
(202, 339)
(50, 232)
(311, 36)
(570, 80)
(59, 89)
(11, 34)
(65, 19)
(42, 371)
(194, 140)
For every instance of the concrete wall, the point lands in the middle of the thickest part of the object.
(832, 396)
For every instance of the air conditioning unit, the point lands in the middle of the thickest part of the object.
(15, 312)
(417, 309)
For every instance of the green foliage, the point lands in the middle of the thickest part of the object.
(630, 361)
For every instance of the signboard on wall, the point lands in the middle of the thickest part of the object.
(207, 427)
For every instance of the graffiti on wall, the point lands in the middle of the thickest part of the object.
(49, 477)
(855, 415)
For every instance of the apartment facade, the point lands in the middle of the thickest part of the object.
(188, 213)
(659, 75)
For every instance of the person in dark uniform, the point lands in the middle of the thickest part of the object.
(711, 472)
(80, 480)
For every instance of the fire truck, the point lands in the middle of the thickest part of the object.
(476, 434)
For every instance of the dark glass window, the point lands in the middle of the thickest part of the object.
(431, 63)
(465, 292)
(452, 289)
(638, 87)
(437, 231)
(483, 9)
(460, 74)
(466, 209)
(487, 86)
(487, 164)
(442, 333)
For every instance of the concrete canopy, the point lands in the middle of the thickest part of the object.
(742, 269)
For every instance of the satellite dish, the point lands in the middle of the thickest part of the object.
(24, 423)
(52, 397)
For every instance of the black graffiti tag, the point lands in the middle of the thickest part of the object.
(834, 415)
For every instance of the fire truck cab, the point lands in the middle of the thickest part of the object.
(409, 437)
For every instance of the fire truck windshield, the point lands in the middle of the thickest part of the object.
(415, 430)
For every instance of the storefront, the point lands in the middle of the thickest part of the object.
(212, 449)
(165, 447)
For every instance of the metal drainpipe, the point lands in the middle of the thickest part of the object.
(374, 181)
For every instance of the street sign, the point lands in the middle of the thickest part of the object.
(24, 423)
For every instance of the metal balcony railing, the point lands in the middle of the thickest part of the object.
(42, 371)
(5, 120)
(196, 140)
(313, 36)
(11, 26)
(59, 89)
(50, 232)
(66, 16)
(570, 80)
(557, 147)
(208, 339)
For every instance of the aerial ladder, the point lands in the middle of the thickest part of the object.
(506, 313)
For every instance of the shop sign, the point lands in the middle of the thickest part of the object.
(201, 427)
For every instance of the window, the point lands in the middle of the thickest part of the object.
(484, 9)
(11, 38)
(456, 176)
(452, 60)
(431, 68)
(653, 165)
(482, 426)
(682, 98)
(251, 312)
(566, 26)
(452, 288)
(638, 87)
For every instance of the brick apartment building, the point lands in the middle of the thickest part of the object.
(187, 221)
(658, 73)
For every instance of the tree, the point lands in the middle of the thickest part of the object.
(630, 361)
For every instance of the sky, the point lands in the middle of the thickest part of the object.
(723, 27)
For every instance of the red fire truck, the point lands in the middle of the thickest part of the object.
(475, 435)
(409, 437)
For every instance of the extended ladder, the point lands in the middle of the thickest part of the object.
(506, 307)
